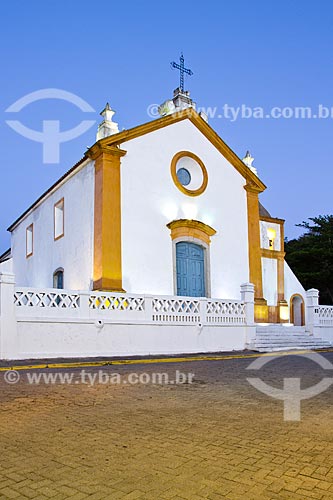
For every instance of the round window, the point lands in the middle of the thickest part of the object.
(184, 176)
(189, 173)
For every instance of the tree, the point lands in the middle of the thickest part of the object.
(311, 256)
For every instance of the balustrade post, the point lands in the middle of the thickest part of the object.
(8, 322)
(84, 304)
(312, 325)
(148, 307)
(203, 311)
(247, 296)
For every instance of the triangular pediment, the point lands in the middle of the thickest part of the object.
(205, 129)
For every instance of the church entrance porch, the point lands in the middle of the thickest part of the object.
(190, 264)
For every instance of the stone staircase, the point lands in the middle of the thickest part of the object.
(280, 337)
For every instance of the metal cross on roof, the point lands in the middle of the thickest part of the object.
(182, 71)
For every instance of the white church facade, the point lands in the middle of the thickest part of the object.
(163, 209)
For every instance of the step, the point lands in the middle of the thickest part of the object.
(279, 325)
(287, 348)
(291, 346)
(308, 341)
(284, 337)
(280, 328)
(290, 342)
(294, 340)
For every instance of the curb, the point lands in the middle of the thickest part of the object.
(151, 360)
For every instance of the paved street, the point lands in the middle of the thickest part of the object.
(215, 438)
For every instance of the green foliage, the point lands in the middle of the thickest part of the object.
(311, 256)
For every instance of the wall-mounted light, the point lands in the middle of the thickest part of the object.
(271, 234)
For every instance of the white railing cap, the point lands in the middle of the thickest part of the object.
(6, 277)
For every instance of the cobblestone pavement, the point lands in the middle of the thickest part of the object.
(215, 438)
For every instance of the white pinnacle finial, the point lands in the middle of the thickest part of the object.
(248, 160)
(107, 127)
(107, 113)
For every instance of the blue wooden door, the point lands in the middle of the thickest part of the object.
(190, 269)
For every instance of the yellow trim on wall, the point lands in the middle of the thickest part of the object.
(280, 277)
(254, 239)
(191, 228)
(255, 266)
(183, 189)
(274, 220)
(205, 129)
(107, 273)
(272, 254)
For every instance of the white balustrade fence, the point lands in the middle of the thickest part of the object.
(41, 323)
(128, 308)
(319, 318)
(50, 323)
(50, 298)
(176, 310)
(225, 312)
(325, 315)
(132, 308)
(111, 302)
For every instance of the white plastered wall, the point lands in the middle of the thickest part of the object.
(74, 251)
(269, 280)
(291, 284)
(53, 339)
(6, 266)
(150, 200)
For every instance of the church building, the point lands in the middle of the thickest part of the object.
(163, 208)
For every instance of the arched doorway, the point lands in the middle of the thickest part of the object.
(190, 264)
(191, 260)
(297, 310)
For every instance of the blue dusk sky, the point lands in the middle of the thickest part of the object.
(254, 54)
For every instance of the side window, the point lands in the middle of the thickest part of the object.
(29, 240)
(58, 279)
(271, 234)
(59, 218)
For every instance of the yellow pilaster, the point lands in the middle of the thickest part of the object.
(260, 304)
(107, 273)
(282, 303)
(283, 310)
